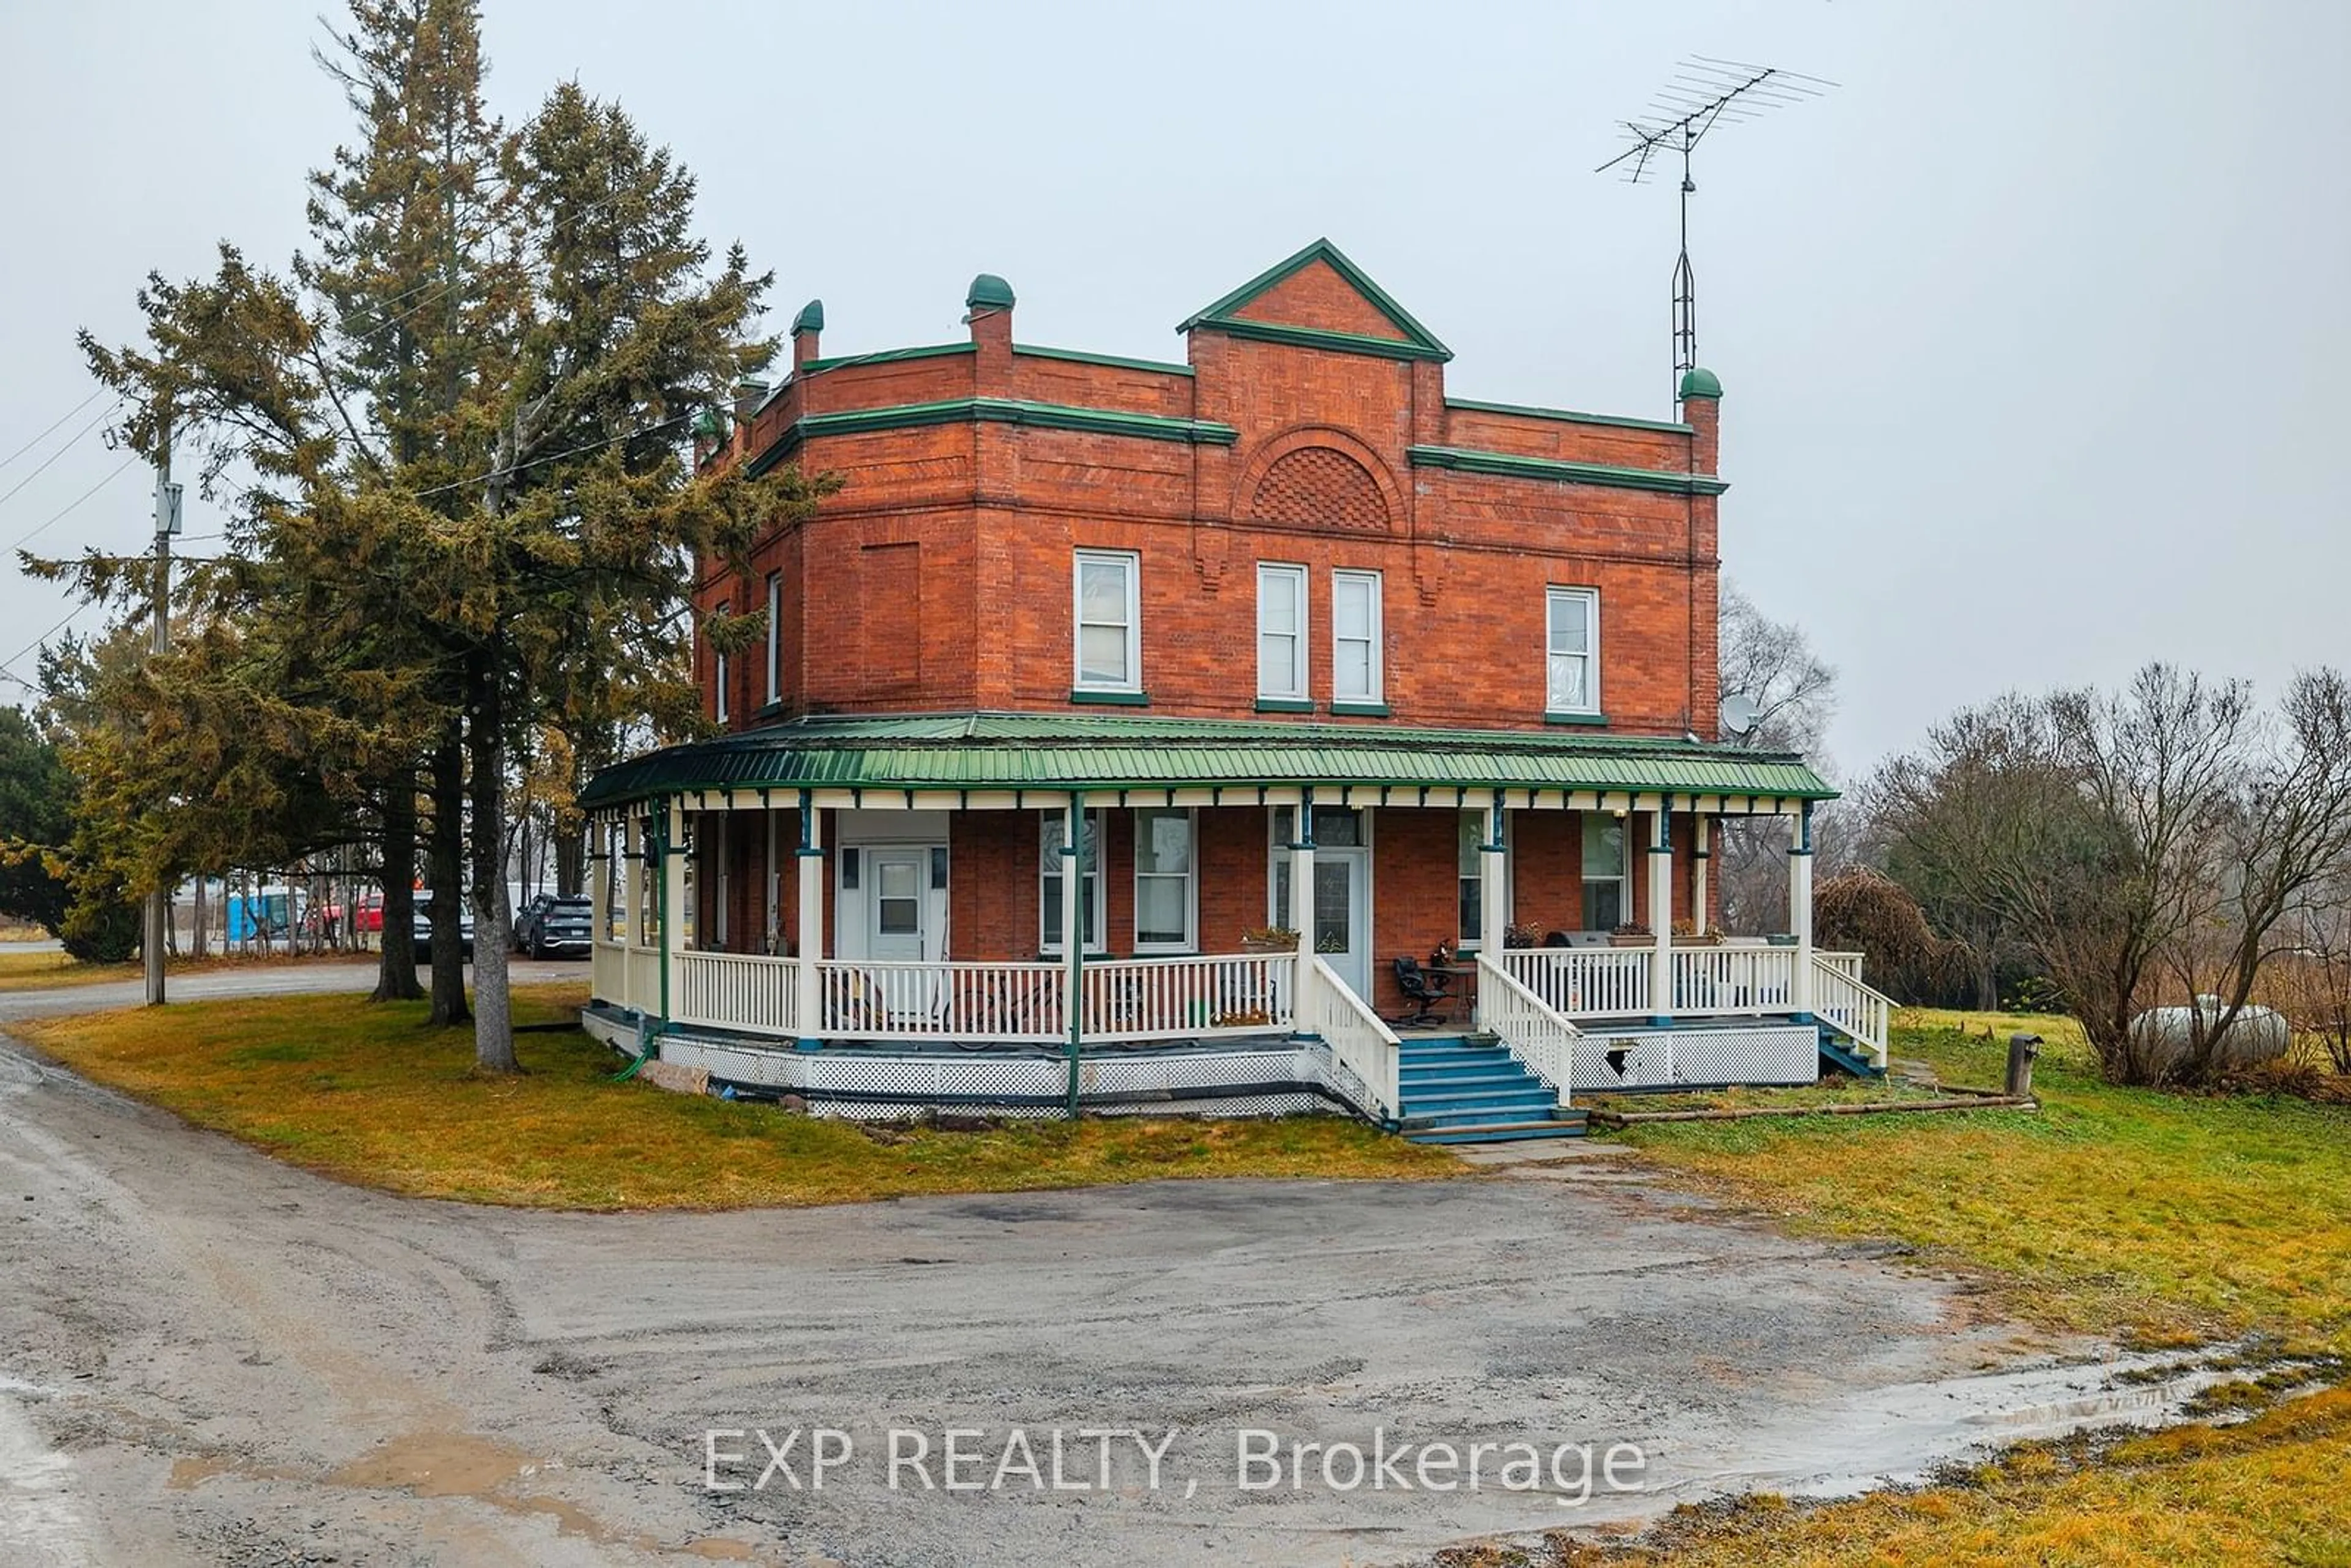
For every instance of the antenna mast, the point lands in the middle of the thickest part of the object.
(1703, 92)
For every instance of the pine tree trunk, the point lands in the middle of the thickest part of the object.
(446, 877)
(493, 1048)
(571, 863)
(395, 975)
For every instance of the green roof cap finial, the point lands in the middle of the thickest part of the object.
(988, 291)
(1700, 382)
(810, 320)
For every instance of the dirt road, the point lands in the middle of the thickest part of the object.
(208, 1357)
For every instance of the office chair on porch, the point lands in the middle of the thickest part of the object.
(1424, 991)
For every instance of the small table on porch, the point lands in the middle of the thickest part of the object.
(1465, 990)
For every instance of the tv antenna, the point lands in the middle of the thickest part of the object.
(1703, 92)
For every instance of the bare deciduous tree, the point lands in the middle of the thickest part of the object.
(1773, 665)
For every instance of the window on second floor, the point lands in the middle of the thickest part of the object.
(721, 671)
(1356, 636)
(1109, 621)
(1571, 683)
(775, 635)
(1281, 632)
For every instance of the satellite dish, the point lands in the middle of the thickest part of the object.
(1740, 714)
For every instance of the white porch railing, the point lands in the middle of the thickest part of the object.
(1738, 980)
(1537, 1034)
(1850, 962)
(736, 990)
(1842, 1001)
(1583, 982)
(644, 967)
(1162, 998)
(969, 1003)
(608, 972)
(1362, 1047)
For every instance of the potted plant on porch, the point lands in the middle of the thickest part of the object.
(1688, 935)
(1268, 939)
(1632, 934)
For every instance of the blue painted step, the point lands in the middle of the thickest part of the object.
(1460, 1090)
(1840, 1051)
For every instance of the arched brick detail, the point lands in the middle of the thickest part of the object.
(1320, 486)
(1320, 478)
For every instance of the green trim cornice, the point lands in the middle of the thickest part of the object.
(1671, 426)
(887, 356)
(1316, 338)
(1513, 465)
(1165, 368)
(1224, 315)
(992, 411)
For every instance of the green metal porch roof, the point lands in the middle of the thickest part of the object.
(1089, 751)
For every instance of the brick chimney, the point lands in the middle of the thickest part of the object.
(806, 327)
(988, 304)
(1702, 410)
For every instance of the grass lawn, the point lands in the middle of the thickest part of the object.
(45, 971)
(2167, 1219)
(372, 1094)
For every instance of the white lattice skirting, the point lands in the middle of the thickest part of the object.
(1259, 1080)
(1630, 1058)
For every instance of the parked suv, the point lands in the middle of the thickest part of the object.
(553, 927)
(425, 927)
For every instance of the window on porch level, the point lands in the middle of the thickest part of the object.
(1054, 833)
(1471, 917)
(1164, 897)
(1281, 632)
(1603, 871)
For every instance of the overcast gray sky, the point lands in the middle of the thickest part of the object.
(2034, 335)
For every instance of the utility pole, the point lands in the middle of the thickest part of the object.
(167, 523)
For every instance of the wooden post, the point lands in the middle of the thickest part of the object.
(632, 904)
(672, 904)
(1800, 915)
(1661, 914)
(1493, 892)
(2021, 1050)
(806, 977)
(1302, 915)
(1074, 906)
(1702, 857)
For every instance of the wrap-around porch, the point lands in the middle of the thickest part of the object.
(806, 916)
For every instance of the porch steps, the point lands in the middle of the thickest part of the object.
(1841, 1051)
(1461, 1089)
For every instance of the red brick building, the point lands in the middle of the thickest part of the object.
(1285, 604)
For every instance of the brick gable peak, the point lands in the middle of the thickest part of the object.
(1319, 298)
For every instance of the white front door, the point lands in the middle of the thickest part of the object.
(898, 905)
(1342, 927)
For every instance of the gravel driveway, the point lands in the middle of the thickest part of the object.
(209, 1358)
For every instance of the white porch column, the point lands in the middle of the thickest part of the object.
(806, 981)
(632, 904)
(1303, 991)
(1661, 914)
(1074, 905)
(1799, 913)
(1702, 854)
(1493, 891)
(673, 906)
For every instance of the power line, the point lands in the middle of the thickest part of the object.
(8, 673)
(63, 511)
(61, 451)
(68, 414)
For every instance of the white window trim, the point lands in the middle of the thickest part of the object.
(720, 673)
(1589, 598)
(1131, 562)
(774, 636)
(1191, 942)
(1295, 575)
(1278, 854)
(1102, 885)
(1584, 879)
(1378, 633)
